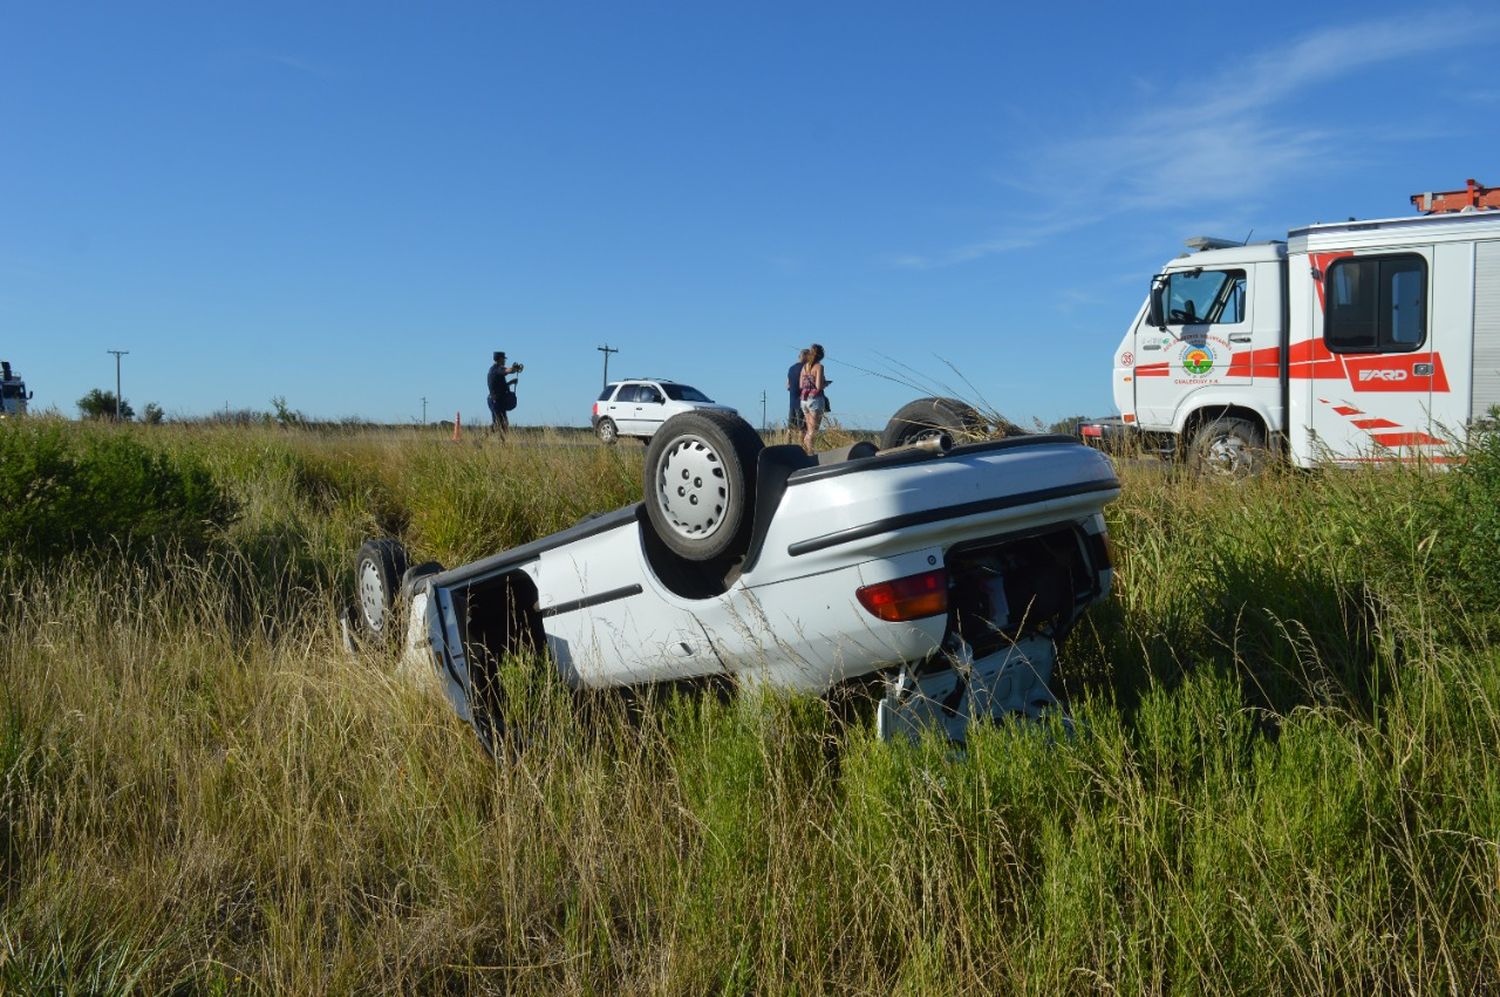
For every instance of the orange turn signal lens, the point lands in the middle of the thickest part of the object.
(909, 598)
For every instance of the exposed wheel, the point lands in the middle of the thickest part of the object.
(378, 568)
(945, 419)
(607, 431)
(700, 479)
(1228, 447)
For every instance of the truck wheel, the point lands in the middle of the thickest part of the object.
(607, 431)
(378, 568)
(1228, 447)
(944, 419)
(700, 479)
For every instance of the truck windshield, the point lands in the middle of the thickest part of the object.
(10, 391)
(1206, 297)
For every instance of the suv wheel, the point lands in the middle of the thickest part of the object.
(700, 480)
(607, 431)
(945, 419)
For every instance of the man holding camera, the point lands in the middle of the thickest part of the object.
(502, 393)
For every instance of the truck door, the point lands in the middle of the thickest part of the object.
(1375, 361)
(1208, 317)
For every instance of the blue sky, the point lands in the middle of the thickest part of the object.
(350, 206)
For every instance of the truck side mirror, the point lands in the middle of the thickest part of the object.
(1155, 312)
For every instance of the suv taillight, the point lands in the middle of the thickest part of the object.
(596, 409)
(909, 598)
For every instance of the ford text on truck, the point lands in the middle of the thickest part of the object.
(1347, 342)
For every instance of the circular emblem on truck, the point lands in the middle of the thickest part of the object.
(1198, 360)
(1127, 359)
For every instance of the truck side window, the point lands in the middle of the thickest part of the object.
(1206, 297)
(1375, 304)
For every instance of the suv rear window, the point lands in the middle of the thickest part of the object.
(685, 393)
(609, 389)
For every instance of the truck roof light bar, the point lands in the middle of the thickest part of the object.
(1198, 243)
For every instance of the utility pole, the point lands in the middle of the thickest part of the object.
(424, 410)
(118, 354)
(763, 410)
(606, 349)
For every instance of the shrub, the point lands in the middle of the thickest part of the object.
(1467, 533)
(100, 404)
(63, 492)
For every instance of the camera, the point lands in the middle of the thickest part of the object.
(517, 367)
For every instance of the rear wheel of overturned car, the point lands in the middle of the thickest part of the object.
(607, 431)
(700, 479)
(378, 568)
(947, 420)
(1229, 447)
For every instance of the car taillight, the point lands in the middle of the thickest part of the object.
(909, 598)
(596, 408)
(1094, 432)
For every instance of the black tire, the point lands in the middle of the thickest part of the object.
(1228, 447)
(607, 431)
(945, 419)
(378, 568)
(700, 484)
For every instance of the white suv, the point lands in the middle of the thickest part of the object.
(637, 407)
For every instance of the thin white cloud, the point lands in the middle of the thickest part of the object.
(294, 62)
(1210, 138)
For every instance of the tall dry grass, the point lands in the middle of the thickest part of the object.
(1285, 778)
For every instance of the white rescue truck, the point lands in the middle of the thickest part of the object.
(1347, 342)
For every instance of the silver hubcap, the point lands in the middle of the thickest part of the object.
(1229, 455)
(692, 488)
(372, 595)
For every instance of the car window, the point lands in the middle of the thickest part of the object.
(1376, 304)
(647, 393)
(685, 393)
(608, 390)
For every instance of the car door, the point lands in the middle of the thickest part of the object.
(614, 407)
(622, 410)
(650, 409)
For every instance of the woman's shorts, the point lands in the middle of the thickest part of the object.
(814, 404)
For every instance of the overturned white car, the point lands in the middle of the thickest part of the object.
(944, 576)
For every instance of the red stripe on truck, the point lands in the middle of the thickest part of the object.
(1394, 440)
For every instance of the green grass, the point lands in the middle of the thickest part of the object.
(1287, 776)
